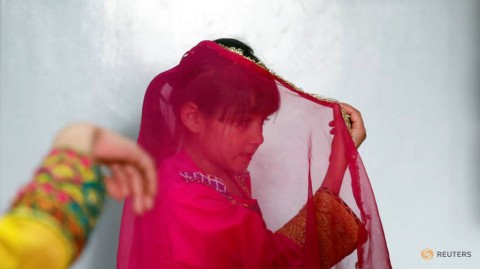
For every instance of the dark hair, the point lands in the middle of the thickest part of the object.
(237, 44)
(218, 92)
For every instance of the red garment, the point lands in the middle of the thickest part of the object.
(195, 226)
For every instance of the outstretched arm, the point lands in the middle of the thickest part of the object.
(132, 169)
(52, 217)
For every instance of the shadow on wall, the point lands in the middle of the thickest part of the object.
(104, 246)
(476, 147)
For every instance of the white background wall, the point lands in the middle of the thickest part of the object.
(411, 67)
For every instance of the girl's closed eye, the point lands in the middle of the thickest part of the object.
(244, 121)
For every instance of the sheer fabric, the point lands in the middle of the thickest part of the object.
(298, 156)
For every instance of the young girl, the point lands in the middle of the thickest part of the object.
(203, 122)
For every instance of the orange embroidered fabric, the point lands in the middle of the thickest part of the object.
(338, 228)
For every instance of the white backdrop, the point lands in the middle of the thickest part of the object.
(409, 66)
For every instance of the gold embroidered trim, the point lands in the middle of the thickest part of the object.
(295, 228)
(275, 74)
(347, 120)
(317, 96)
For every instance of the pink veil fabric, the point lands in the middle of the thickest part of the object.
(299, 153)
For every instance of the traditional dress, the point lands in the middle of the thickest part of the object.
(198, 223)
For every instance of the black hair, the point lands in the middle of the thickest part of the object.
(237, 44)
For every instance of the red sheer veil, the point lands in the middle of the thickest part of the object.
(296, 153)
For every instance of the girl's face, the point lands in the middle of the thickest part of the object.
(230, 145)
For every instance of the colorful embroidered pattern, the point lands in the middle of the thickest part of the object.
(67, 189)
(217, 184)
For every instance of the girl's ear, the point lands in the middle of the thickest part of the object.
(191, 117)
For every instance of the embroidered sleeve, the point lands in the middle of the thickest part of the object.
(338, 229)
(67, 194)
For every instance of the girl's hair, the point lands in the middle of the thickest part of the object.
(237, 44)
(229, 92)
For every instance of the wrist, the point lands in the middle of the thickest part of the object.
(78, 136)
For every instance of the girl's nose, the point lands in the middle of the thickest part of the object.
(257, 135)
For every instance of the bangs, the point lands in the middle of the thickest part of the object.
(232, 92)
(265, 100)
(244, 93)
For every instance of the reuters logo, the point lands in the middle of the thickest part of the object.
(427, 254)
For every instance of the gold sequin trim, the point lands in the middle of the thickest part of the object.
(275, 74)
(317, 96)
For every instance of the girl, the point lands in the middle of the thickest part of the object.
(203, 122)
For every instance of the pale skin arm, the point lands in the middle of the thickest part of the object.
(132, 169)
